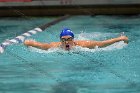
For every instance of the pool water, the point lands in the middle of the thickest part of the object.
(113, 69)
(12, 27)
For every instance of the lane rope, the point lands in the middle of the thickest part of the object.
(21, 38)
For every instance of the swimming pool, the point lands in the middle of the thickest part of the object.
(113, 69)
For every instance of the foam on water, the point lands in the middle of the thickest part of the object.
(115, 46)
(51, 50)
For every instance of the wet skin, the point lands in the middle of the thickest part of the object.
(67, 43)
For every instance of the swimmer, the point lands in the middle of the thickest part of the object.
(67, 42)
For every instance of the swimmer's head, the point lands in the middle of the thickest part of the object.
(66, 37)
(66, 32)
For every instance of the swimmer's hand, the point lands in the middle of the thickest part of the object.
(124, 38)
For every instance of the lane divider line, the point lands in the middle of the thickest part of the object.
(21, 38)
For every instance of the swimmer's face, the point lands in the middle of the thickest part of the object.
(67, 42)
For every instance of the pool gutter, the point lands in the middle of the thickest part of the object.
(71, 10)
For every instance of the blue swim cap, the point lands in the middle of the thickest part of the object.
(66, 32)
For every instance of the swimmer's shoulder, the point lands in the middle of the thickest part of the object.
(83, 41)
(86, 43)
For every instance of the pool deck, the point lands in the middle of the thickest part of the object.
(70, 9)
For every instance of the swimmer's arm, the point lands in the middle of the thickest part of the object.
(111, 41)
(36, 44)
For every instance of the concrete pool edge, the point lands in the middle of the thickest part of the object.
(71, 10)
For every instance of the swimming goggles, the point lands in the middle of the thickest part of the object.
(66, 39)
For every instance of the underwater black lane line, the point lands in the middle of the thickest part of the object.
(43, 27)
(132, 83)
(19, 39)
(21, 59)
(31, 65)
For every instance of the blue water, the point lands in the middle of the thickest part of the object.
(113, 69)
(12, 27)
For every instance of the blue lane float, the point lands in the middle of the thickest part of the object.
(21, 38)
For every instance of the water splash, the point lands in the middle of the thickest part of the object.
(115, 46)
(51, 50)
(86, 36)
(94, 35)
